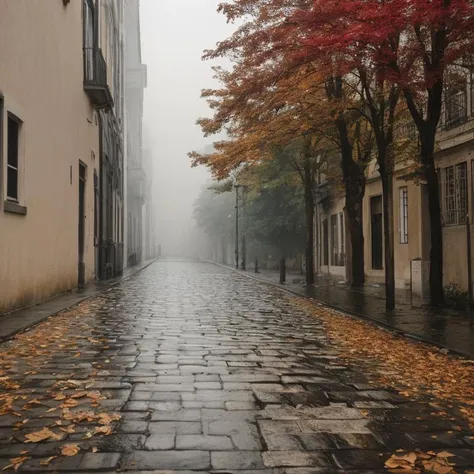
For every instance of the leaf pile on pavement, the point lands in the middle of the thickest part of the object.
(69, 405)
(418, 462)
(412, 368)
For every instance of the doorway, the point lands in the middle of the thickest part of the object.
(377, 232)
(81, 226)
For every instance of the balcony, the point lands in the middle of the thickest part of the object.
(455, 110)
(95, 79)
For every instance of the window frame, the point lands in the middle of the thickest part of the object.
(14, 119)
(325, 240)
(403, 214)
(342, 243)
(455, 194)
(334, 231)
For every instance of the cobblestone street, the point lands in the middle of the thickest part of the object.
(209, 371)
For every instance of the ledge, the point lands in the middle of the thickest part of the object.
(14, 208)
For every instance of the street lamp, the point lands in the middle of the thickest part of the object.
(244, 253)
(237, 186)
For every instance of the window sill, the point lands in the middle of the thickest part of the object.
(14, 208)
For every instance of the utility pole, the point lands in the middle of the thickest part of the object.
(236, 227)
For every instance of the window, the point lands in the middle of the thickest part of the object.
(325, 239)
(403, 215)
(455, 102)
(13, 132)
(342, 256)
(377, 232)
(454, 188)
(455, 107)
(334, 241)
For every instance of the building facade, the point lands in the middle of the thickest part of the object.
(61, 150)
(110, 186)
(136, 180)
(455, 163)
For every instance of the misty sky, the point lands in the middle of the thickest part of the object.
(174, 35)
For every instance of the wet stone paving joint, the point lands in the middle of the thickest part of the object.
(188, 367)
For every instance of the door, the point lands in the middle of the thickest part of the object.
(81, 226)
(377, 232)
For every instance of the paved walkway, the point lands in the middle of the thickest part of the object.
(211, 373)
(16, 321)
(447, 328)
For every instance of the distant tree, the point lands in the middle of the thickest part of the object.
(275, 211)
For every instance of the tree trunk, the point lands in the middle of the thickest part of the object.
(387, 198)
(354, 184)
(356, 231)
(309, 211)
(436, 227)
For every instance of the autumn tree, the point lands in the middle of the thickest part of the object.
(433, 37)
(335, 38)
(263, 88)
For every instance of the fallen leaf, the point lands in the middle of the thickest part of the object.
(79, 394)
(16, 463)
(47, 462)
(445, 454)
(70, 449)
(107, 430)
(41, 435)
(95, 449)
(403, 461)
(69, 429)
(70, 403)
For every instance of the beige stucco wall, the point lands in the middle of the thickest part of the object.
(403, 253)
(41, 74)
(336, 207)
(455, 236)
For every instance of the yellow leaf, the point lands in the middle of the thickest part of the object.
(47, 462)
(16, 463)
(107, 430)
(41, 435)
(70, 449)
(79, 394)
(445, 454)
(70, 403)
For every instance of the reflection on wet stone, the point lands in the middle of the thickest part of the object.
(211, 371)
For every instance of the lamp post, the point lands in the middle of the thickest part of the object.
(236, 226)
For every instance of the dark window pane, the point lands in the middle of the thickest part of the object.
(13, 142)
(12, 183)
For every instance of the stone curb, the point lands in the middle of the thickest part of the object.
(68, 307)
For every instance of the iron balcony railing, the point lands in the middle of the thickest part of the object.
(95, 79)
(95, 67)
(455, 109)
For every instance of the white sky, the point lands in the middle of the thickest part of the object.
(174, 34)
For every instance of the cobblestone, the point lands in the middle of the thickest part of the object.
(213, 372)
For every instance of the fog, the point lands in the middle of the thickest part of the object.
(174, 35)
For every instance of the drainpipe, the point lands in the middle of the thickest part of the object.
(101, 198)
(469, 261)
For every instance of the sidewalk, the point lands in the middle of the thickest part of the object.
(447, 328)
(19, 320)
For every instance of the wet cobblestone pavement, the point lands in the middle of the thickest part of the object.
(209, 371)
